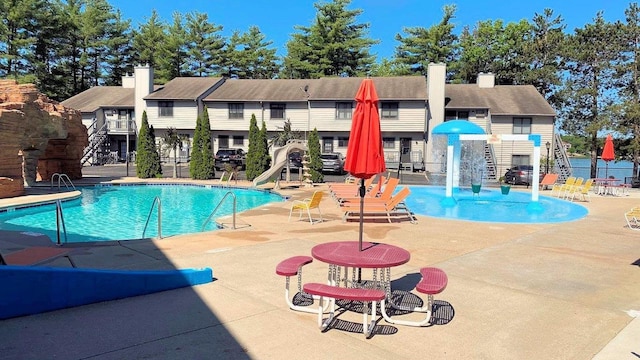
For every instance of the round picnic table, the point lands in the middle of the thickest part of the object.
(372, 256)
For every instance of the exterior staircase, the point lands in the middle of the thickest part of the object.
(97, 137)
(562, 165)
(490, 159)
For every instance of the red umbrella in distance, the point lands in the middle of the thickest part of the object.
(365, 156)
(607, 153)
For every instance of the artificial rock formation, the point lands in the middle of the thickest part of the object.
(38, 137)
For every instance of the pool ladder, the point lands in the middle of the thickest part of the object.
(62, 179)
(156, 200)
(229, 193)
(60, 221)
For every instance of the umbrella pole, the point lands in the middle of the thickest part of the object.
(362, 191)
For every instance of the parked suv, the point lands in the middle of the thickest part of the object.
(520, 175)
(295, 160)
(234, 157)
(332, 163)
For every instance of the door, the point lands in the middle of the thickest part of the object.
(405, 151)
(327, 144)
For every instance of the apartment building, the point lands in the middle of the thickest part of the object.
(409, 107)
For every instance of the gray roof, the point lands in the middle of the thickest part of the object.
(387, 88)
(501, 99)
(97, 97)
(336, 88)
(262, 90)
(184, 88)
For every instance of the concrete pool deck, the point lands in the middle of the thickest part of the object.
(538, 291)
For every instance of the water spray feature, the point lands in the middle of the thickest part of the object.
(464, 158)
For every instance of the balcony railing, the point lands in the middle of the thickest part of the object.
(120, 126)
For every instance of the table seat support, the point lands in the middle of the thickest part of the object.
(433, 281)
(372, 296)
(293, 267)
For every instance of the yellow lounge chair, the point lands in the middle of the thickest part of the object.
(633, 218)
(559, 189)
(307, 205)
(569, 190)
(583, 191)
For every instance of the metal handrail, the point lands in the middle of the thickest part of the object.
(155, 200)
(218, 206)
(60, 219)
(62, 178)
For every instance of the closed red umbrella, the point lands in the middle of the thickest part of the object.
(607, 153)
(365, 155)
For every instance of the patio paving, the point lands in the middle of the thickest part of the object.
(537, 291)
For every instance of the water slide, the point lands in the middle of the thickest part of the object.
(280, 158)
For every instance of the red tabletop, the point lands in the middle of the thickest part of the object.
(373, 255)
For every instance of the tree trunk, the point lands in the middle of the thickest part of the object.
(175, 163)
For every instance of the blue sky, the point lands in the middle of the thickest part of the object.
(277, 18)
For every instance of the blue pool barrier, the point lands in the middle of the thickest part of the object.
(29, 290)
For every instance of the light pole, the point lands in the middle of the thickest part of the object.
(306, 92)
(548, 145)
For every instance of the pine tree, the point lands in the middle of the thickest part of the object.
(315, 162)
(265, 158)
(253, 164)
(202, 165)
(422, 46)
(195, 162)
(147, 158)
(208, 161)
(334, 45)
(156, 165)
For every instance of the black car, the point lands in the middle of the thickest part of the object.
(235, 157)
(332, 163)
(295, 160)
(520, 175)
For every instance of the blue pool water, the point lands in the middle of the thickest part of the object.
(492, 206)
(106, 213)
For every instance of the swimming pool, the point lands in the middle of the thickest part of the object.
(119, 212)
(492, 206)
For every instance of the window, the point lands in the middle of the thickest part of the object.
(344, 110)
(389, 143)
(327, 144)
(389, 110)
(277, 111)
(236, 111)
(522, 125)
(165, 108)
(456, 115)
(223, 141)
(238, 141)
(343, 141)
(519, 160)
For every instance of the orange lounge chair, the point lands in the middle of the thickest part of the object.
(351, 189)
(385, 195)
(374, 209)
(548, 180)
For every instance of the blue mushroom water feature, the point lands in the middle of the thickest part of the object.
(457, 131)
(452, 131)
